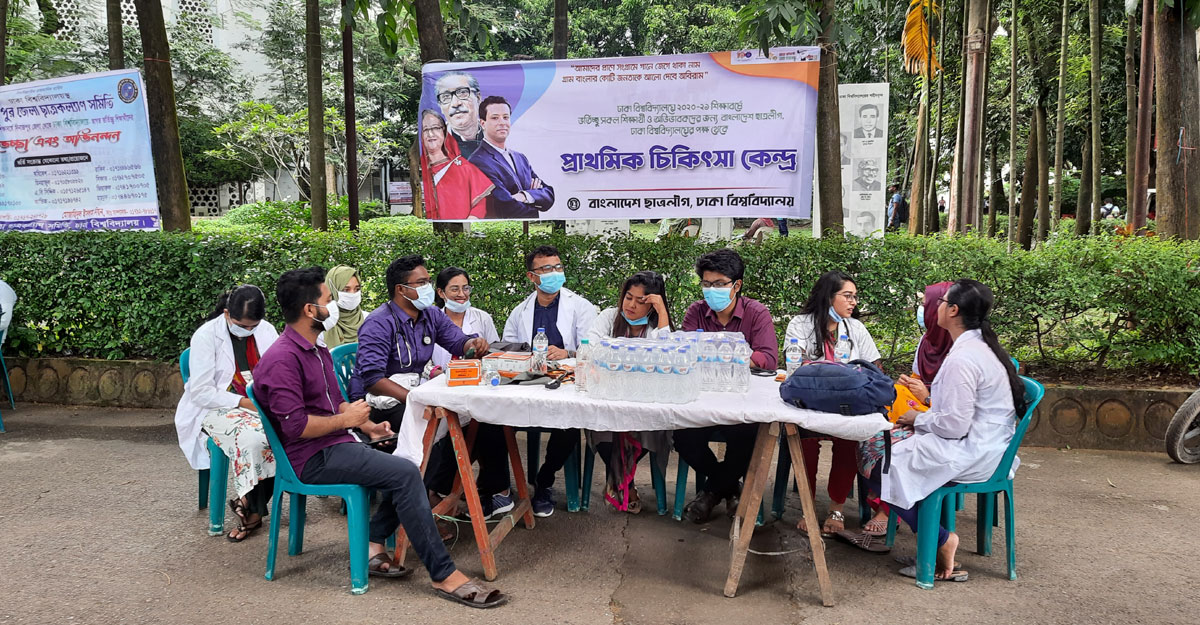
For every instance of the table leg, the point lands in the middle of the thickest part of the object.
(747, 512)
(474, 507)
(810, 515)
(518, 470)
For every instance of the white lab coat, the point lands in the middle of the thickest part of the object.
(8, 301)
(966, 432)
(602, 327)
(575, 317)
(862, 346)
(211, 366)
(475, 321)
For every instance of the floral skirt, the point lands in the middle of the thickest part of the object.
(872, 450)
(239, 433)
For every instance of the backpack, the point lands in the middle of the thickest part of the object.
(902, 211)
(854, 388)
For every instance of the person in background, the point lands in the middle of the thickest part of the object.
(725, 309)
(893, 217)
(8, 302)
(766, 222)
(641, 312)
(973, 417)
(224, 353)
(296, 388)
(566, 317)
(826, 316)
(346, 287)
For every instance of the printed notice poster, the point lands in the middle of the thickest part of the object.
(75, 155)
(723, 134)
(864, 124)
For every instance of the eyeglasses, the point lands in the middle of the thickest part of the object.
(548, 269)
(456, 290)
(432, 129)
(850, 296)
(462, 93)
(946, 301)
(720, 284)
(418, 284)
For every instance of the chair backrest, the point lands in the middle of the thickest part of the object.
(283, 467)
(184, 368)
(344, 359)
(1033, 396)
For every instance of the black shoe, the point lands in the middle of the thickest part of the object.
(699, 510)
(731, 505)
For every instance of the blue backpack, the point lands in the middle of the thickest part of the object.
(854, 388)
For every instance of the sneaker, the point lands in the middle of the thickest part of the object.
(699, 510)
(497, 504)
(543, 503)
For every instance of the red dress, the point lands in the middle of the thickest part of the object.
(454, 188)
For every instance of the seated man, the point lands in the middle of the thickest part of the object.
(397, 339)
(296, 386)
(566, 317)
(725, 309)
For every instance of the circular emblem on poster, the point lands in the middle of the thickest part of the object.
(573, 204)
(127, 90)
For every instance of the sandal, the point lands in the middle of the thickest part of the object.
(475, 594)
(244, 530)
(239, 509)
(866, 542)
(958, 575)
(828, 530)
(375, 567)
(912, 561)
(876, 527)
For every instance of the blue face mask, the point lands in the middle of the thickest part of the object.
(636, 322)
(424, 297)
(552, 282)
(718, 299)
(921, 318)
(456, 307)
(836, 317)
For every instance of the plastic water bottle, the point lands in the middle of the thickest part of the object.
(541, 345)
(841, 350)
(583, 366)
(707, 361)
(598, 376)
(741, 367)
(793, 355)
(684, 366)
(725, 367)
(491, 376)
(666, 390)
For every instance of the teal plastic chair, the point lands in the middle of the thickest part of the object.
(213, 481)
(286, 481)
(344, 359)
(933, 509)
(681, 477)
(533, 454)
(7, 384)
(656, 477)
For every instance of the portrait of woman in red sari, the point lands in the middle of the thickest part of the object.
(454, 188)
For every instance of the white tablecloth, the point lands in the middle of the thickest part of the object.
(535, 406)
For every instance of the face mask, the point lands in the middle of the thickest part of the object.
(424, 297)
(921, 318)
(552, 282)
(636, 322)
(718, 299)
(239, 331)
(349, 301)
(457, 307)
(332, 319)
(836, 317)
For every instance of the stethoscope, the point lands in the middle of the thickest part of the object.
(408, 349)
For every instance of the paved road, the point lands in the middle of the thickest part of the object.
(98, 524)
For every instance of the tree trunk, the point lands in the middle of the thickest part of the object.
(1178, 175)
(1061, 119)
(934, 220)
(1130, 104)
(1097, 152)
(351, 128)
(414, 182)
(560, 29)
(431, 38)
(1029, 190)
(916, 209)
(1043, 171)
(977, 23)
(829, 143)
(989, 28)
(116, 38)
(1141, 164)
(996, 194)
(1082, 216)
(954, 221)
(316, 116)
(1012, 126)
(164, 123)
(3, 42)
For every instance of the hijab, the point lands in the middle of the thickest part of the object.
(346, 330)
(936, 342)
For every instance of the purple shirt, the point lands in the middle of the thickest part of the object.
(293, 380)
(750, 317)
(391, 342)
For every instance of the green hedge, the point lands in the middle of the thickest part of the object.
(1079, 302)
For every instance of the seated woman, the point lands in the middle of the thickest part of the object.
(827, 315)
(224, 352)
(641, 313)
(454, 187)
(972, 420)
(931, 351)
(346, 288)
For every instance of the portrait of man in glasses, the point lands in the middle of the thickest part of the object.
(458, 96)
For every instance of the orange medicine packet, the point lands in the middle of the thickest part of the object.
(464, 373)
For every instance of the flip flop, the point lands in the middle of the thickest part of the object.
(475, 594)
(912, 561)
(245, 530)
(958, 575)
(870, 532)
(375, 567)
(866, 542)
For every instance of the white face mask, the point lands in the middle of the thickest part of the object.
(349, 301)
(239, 331)
(457, 307)
(424, 297)
(332, 319)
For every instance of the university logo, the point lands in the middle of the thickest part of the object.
(127, 90)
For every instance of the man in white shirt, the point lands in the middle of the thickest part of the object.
(8, 301)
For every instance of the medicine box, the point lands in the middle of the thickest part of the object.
(464, 373)
(510, 364)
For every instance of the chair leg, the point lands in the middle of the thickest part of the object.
(203, 494)
(296, 525)
(1010, 533)
(356, 521)
(218, 480)
(660, 484)
(783, 472)
(891, 528)
(864, 506)
(681, 476)
(273, 535)
(948, 514)
(985, 506)
(7, 385)
(585, 485)
(929, 514)
(571, 479)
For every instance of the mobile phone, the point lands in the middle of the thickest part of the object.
(386, 439)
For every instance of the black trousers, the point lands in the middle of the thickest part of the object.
(558, 449)
(490, 450)
(723, 475)
(404, 501)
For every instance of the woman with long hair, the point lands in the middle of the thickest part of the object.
(454, 188)
(973, 416)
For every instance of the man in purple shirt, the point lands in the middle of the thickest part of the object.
(398, 337)
(725, 309)
(296, 388)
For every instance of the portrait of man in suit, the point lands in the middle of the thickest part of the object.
(457, 95)
(868, 123)
(868, 175)
(519, 193)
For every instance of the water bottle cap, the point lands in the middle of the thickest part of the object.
(540, 330)
(583, 341)
(843, 336)
(793, 340)
(699, 329)
(494, 381)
